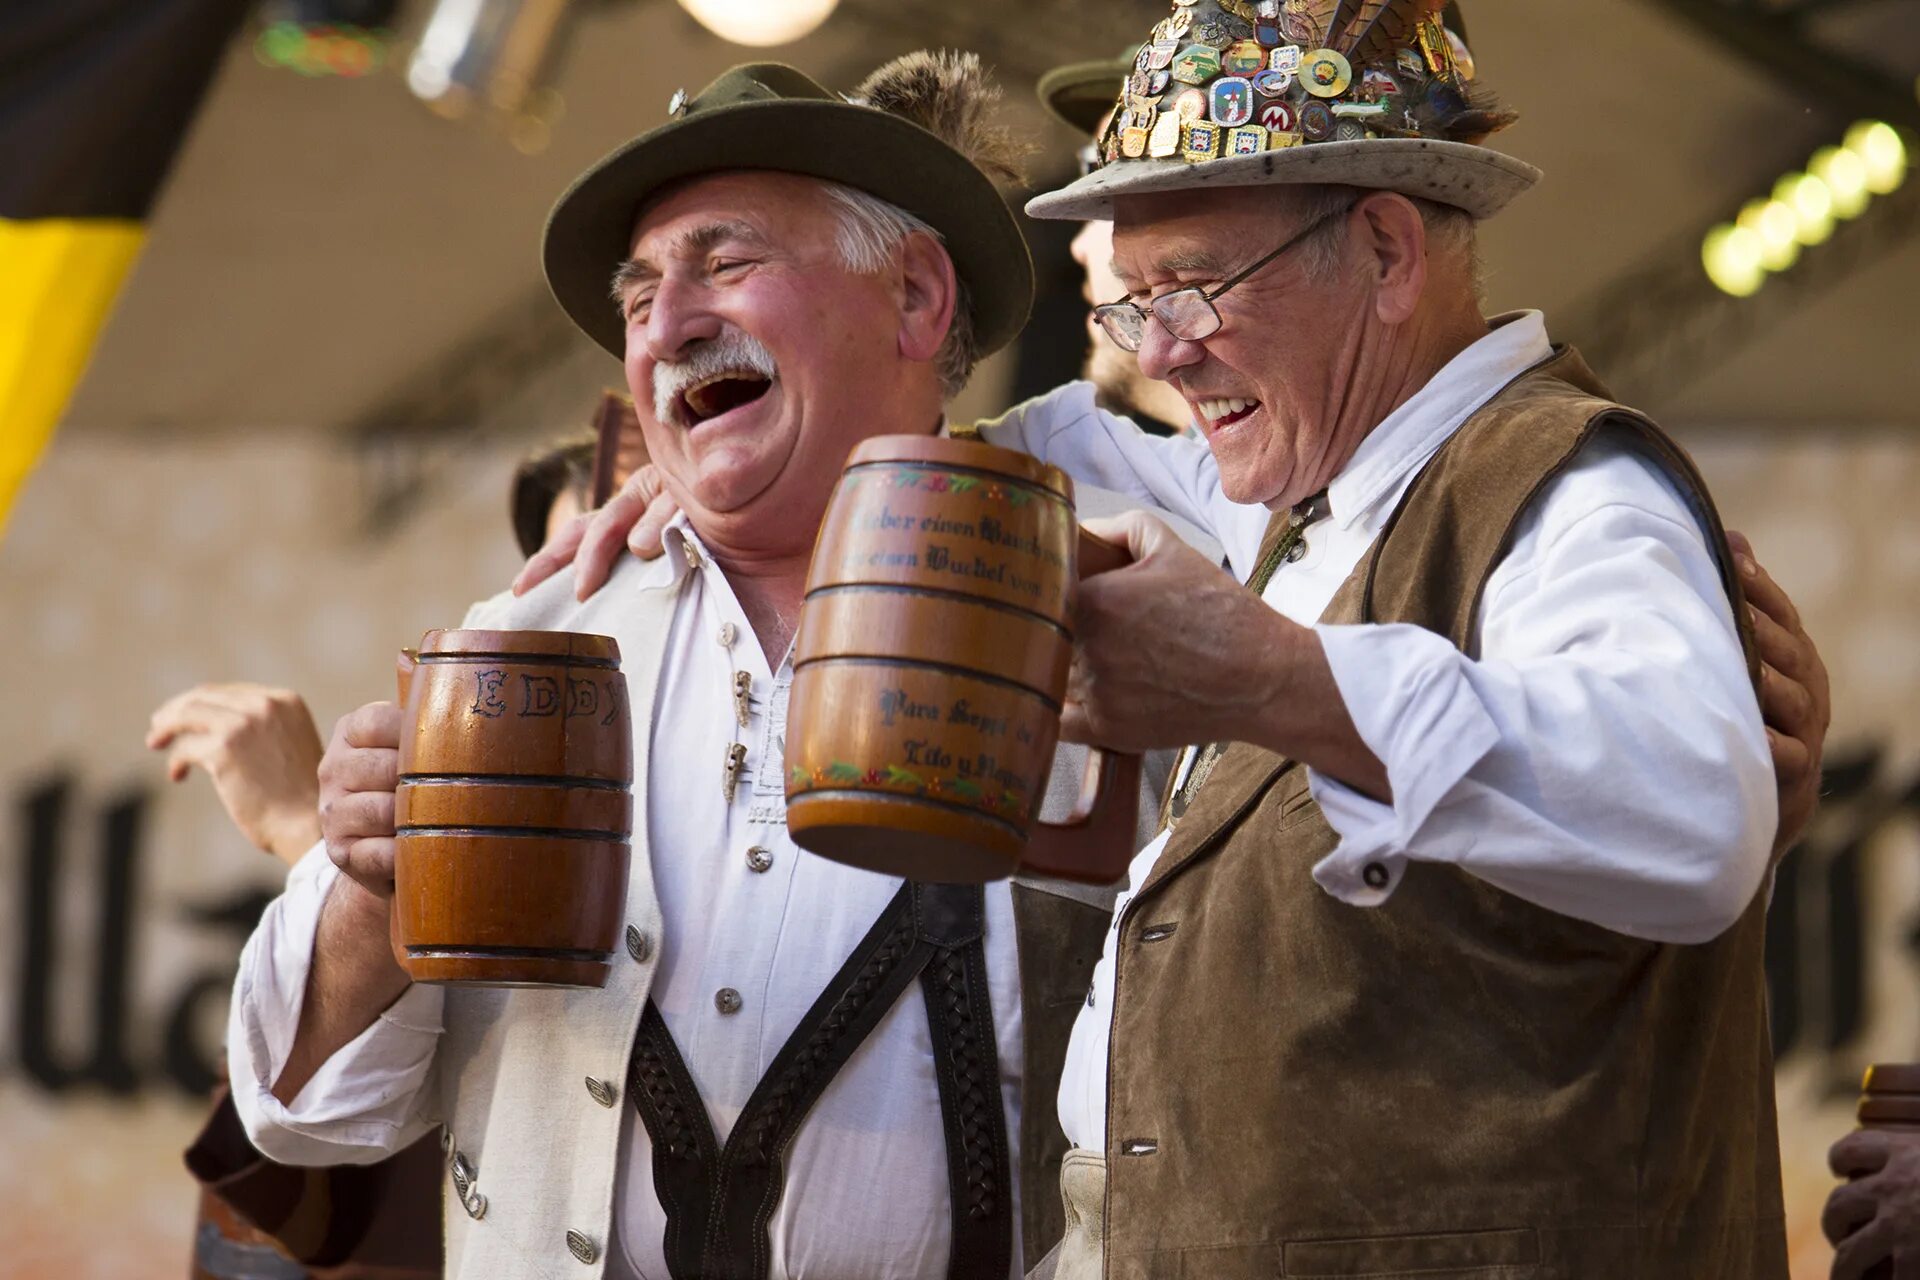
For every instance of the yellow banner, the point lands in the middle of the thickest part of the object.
(58, 280)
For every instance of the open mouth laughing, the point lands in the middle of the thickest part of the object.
(717, 395)
(1225, 412)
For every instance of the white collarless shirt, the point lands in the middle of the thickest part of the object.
(754, 929)
(1603, 756)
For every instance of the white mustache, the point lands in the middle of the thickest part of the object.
(732, 353)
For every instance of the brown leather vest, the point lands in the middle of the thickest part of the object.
(1456, 1082)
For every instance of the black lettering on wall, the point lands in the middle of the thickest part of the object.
(106, 1063)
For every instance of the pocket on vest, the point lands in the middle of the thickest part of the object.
(1453, 1255)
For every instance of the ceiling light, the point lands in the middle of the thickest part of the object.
(1812, 206)
(1840, 182)
(1878, 144)
(1731, 255)
(760, 22)
(1845, 175)
(1775, 226)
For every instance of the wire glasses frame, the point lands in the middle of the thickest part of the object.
(1189, 314)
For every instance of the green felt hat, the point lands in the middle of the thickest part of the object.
(1366, 93)
(1079, 93)
(765, 115)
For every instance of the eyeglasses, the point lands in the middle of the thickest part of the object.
(1188, 314)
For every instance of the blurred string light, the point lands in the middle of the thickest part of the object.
(349, 52)
(1801, 213)
(496, 57)
(345, 38)
(760, 22)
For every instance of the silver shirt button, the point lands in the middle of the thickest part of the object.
(638, 944)
(601, 1091)
(726, 1000)
(692, 553)
(582, 1246)
(728, 634)
(759, 858)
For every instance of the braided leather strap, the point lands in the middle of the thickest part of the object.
(967, 1062)
(684, 1150)
(719, 1200)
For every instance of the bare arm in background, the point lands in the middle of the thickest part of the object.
(260, 748)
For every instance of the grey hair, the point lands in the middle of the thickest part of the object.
(1450, 231)
(870, 233)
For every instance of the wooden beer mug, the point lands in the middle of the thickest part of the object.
(514, 810)
(930, 669)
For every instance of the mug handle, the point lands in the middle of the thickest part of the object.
(403, 672)
(1093, 843)
(403, 669)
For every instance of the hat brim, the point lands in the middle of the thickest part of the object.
(1477, 179)
(1081, 93)
(589, 233)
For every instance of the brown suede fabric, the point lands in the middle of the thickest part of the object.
(1457, 1083)
(349, 1222)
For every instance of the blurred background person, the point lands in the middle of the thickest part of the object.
(1081, 96)
(551, 487)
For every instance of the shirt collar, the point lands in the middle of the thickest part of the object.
(1393, 451)
(682, 547)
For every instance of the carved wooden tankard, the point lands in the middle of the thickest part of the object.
(514, 809)
(930, 668)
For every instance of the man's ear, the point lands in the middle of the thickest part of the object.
(929, 292)
(1392, 230)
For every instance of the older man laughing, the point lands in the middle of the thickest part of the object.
(750, 1096)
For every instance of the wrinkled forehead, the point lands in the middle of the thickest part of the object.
(693, 215)
(1162, 234)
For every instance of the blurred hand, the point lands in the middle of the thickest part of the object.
(1875, 1217)
(358, 775)
(1795, 699)
(260, 748)
(636, 517)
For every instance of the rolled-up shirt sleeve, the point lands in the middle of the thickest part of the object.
(1177, 474)
(1603, 757)
(371, 1098)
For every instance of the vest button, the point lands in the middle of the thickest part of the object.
(759, 858)
(1375, 874)
(582, 1246)
(601, 1091)
(638, 944)
(727, 1000)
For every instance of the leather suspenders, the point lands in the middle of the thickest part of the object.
(719, 1199)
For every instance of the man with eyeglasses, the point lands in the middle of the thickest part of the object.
(1449, 959)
